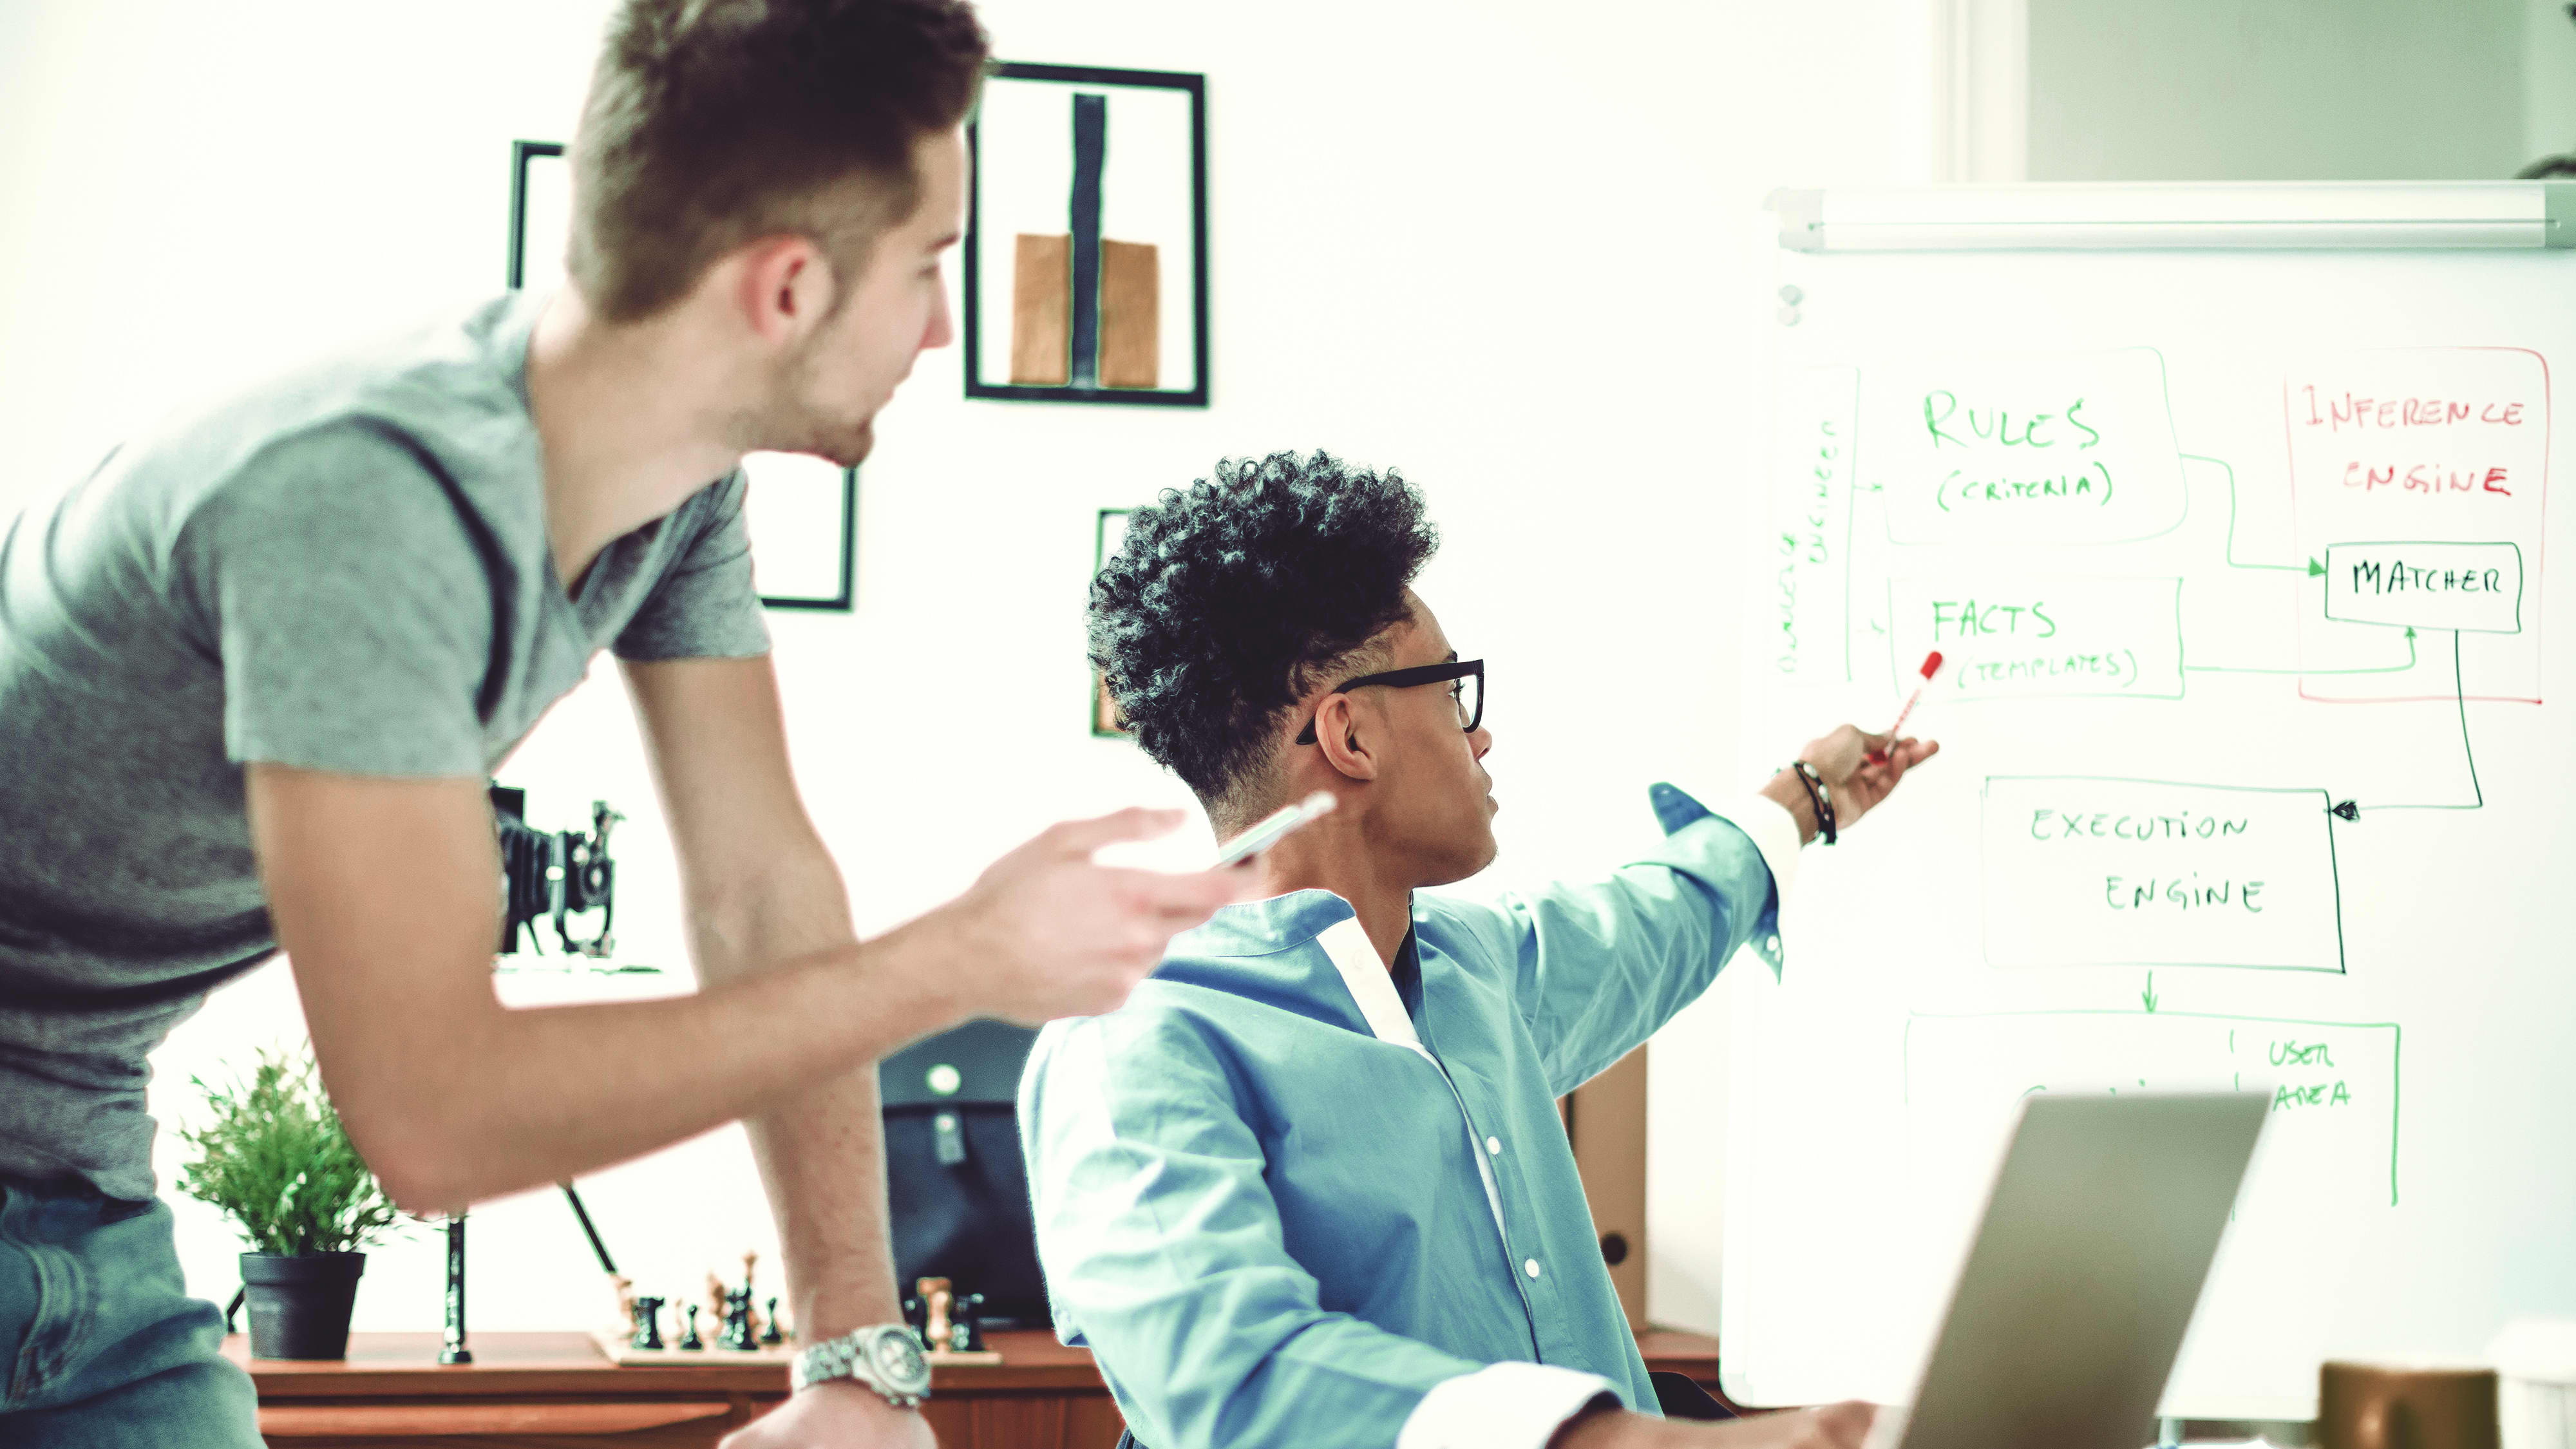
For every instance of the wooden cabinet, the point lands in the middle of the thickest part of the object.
(1605, 1123)
(556, 1391)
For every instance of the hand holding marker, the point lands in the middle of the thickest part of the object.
(1931, 664)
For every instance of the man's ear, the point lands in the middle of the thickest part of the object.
(1346, 743)
(784, 288)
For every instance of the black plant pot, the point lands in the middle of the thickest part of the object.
(299, 1306)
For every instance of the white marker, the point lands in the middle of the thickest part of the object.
(1271, 830)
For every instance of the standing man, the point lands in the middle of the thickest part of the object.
(1308, 1188)
(255, 669)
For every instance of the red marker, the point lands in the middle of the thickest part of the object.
(1931, 664)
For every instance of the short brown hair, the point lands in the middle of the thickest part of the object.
(713, 122)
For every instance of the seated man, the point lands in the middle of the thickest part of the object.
(1308, 1187)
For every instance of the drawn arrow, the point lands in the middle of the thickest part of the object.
(2380, 669)
(2460, 696)
(2149, 995)
(2314, 568)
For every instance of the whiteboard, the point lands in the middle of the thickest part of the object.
(2258, 771)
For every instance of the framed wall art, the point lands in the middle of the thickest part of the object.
(1085, 267)
(1108, 535)
(803, 516)
(540, 213)
(802, 512)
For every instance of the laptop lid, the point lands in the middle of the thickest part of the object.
(2096, 1241)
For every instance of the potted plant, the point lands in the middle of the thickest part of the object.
(273, 1156)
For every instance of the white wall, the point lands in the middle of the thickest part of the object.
(2548, 79)
(2268, 90)
(1511, 249)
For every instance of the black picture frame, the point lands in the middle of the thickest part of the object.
(972, 264)
(843, 597)
(1104, 710)
(522, 153)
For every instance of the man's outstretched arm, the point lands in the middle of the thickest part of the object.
(759, 888)
(385, 896)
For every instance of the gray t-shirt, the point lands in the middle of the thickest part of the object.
(347, 570)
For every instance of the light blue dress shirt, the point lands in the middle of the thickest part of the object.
(1277, 1223)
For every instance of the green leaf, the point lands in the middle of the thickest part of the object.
(272, 1155)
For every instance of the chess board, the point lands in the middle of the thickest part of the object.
(621, 1352)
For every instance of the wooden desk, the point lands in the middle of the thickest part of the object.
(556, 1391)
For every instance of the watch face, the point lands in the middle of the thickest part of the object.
(899, 1359)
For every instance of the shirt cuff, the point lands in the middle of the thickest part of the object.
(1501, 1406)
(1774, 833)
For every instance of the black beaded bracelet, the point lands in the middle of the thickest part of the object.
(1820, 794)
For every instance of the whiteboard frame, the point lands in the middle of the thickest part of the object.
(2128, 216)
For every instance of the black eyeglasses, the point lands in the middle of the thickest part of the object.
(1465, 678)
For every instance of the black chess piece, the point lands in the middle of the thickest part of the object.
(966, 1325)
(736, 1333)
(689, 1331)
(648, 1324)
(770, 1337)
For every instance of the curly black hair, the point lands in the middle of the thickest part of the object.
(1229, 598)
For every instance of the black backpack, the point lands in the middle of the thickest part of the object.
(957, 1190)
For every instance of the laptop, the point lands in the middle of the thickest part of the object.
(2096, 1241)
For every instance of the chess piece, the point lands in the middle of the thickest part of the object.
(935, 1292)
(736, 1334)
(647, 1313)
(750, 1315)
(770, 1337)
(689, 1335)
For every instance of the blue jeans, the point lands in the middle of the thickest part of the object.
(100, 1344)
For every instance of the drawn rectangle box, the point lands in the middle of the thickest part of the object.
(2082, 871)
(1811, 525)
(2009, 636)
(2430, 584)
(2072, 447)
(2334, 1085)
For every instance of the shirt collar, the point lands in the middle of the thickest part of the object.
(1256, 928)
(1256, 950)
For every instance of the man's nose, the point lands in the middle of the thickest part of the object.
(1480, 740)
(941, 330)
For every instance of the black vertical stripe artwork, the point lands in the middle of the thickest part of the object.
(1090, 145)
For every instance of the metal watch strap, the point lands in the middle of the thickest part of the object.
(885, 1357)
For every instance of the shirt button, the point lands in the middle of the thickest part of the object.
(1493, 1147)
(1530, 1266)
(1772, 945)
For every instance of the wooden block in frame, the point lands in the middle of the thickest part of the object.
(1114, 164)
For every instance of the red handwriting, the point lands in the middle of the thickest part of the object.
(2351, 410)
(2426, 478)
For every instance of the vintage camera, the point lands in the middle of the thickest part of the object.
(556, 874)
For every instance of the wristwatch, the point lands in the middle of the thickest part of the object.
(885, 1357)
